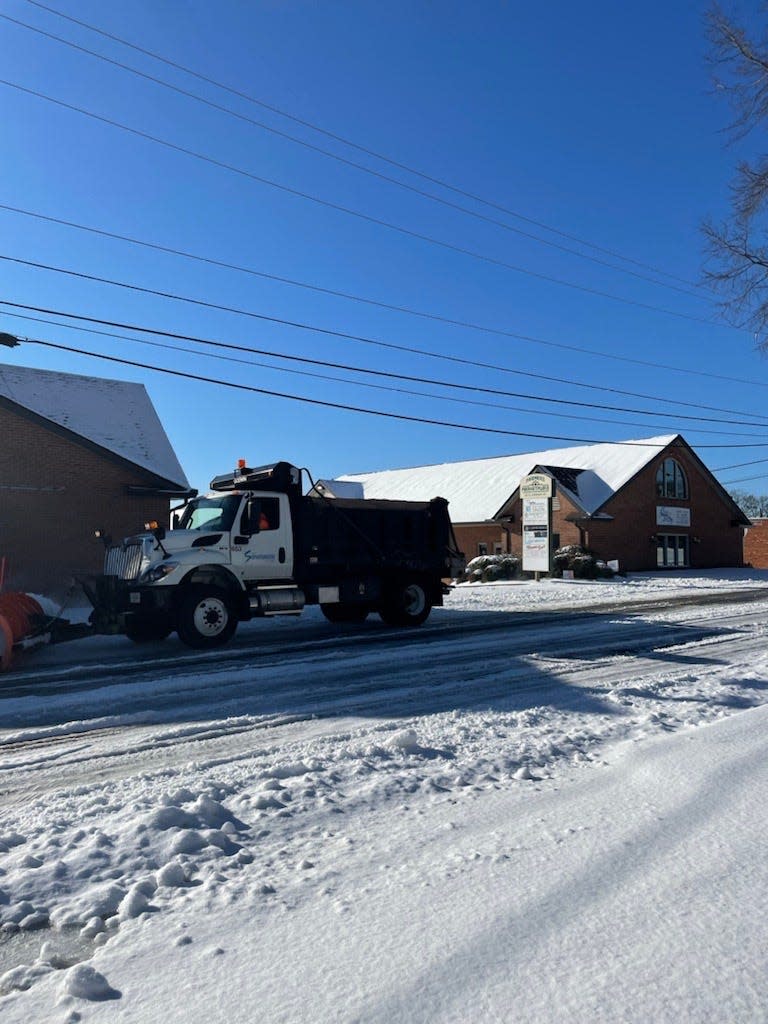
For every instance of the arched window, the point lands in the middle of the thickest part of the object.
(670, 480)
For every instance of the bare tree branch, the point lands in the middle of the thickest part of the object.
(745, 63)
(753, 505)
(737, 250)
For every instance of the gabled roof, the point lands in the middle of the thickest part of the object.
(113, 414)
(479, 489)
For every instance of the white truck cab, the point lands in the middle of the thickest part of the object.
(255, 532)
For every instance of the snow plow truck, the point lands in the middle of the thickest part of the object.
(256, 546)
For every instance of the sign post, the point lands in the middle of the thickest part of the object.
(537, 491)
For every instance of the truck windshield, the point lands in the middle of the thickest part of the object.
(216, 513)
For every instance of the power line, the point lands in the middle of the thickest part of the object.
(353, 408)
(339, 208)
(743, 480)
(357, 383)
(343, 160)
(252, 314)
(739, 465)
(406, 310)
(347, 142)
(379, 373)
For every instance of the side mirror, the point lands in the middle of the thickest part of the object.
(157, 531)
(175, 521)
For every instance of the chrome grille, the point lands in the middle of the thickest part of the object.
(123, 561)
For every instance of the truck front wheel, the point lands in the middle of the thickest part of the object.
(206, 617)
(406, 603)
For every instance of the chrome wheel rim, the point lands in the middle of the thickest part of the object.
(211, 616)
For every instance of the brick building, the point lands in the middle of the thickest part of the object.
(650, 504)
(756, 544)
(77, 453)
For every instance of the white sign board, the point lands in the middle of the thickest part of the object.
(671, 515)
(537, 485)
(536, 534)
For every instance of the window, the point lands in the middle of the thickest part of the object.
(482, 549)
(215, 513)
(670, 480)
(497, 548)
(261, 514)
(672, 551)
(269, 515)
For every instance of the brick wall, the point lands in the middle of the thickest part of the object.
(756, 544)
(54, 492)
(470, 535)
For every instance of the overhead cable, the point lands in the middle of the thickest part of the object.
(348, 142)
(365, 384)
(349, 163)
(743, 480)
(376, 373)
(359, 214)
(253, 314)
(358, 369)
(408, 311)
(306, 400)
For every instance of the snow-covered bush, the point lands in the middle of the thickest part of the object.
(584, 564)
(486, 568)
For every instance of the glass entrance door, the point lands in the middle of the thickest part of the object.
(672, 551)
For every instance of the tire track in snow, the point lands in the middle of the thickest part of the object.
(314, 637)
(380, 691)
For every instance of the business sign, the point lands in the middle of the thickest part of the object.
(537, 485)
(537, 544)
(671, 515)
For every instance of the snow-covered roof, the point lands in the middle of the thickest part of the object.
(114, 414)
(478, 489)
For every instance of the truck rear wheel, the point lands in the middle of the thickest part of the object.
(345, 612)
(206, 617)
(406, 603)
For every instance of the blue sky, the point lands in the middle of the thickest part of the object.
(599, 122)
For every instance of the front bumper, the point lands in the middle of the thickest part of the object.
(117, 603)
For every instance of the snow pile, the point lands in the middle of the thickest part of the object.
(84, 982)
(95, 880)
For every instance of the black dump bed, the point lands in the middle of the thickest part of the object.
(337, 536)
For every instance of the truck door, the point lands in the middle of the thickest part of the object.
(262, 542)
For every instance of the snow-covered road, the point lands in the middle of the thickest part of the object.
(503, 816)
(284, 695)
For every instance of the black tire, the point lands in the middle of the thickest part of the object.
(345, 612)
(149, 631)
(206, 617)
(406, 603)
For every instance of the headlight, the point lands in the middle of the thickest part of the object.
(159, 572)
